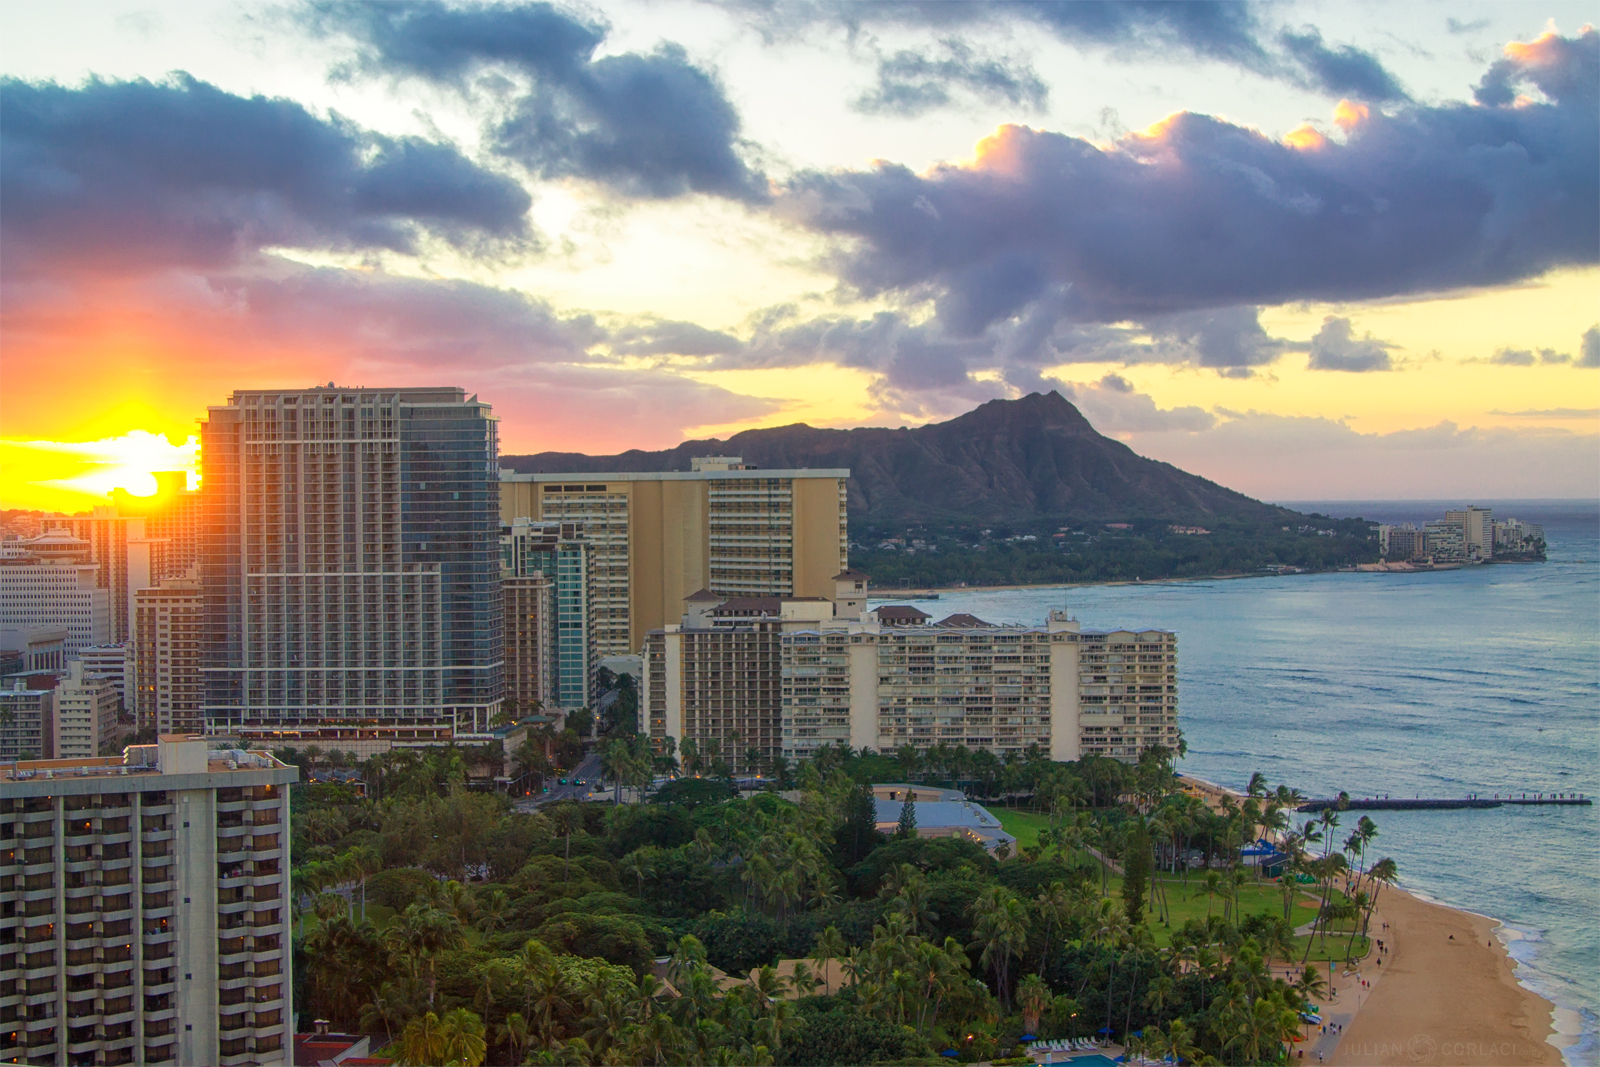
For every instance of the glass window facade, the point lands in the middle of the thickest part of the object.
(349, 565)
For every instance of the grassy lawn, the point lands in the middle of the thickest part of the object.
(1025, 826)
(380, 915)
(1187, 900)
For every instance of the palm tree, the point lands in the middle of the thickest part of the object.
(783, 771)
(640, 863)
(564, 820)
(829, 947)
(392, 1006)
(803, 980)
(1034, 997)
(363, 862)
(1311, 984)
(493, 910)
(421, 934)
(1213, 888)
(423, 1043)
(913, 901)
(463, 1042)
(1055, 906)
(1156, 995)
(1001, 932)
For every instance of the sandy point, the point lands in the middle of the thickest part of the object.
(1444, 994)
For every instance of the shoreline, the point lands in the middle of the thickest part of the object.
(941, 590)
(1447, 991)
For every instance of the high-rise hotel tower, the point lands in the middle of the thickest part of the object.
(351, 566)
(656, 537)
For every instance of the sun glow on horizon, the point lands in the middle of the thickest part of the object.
(68, 475)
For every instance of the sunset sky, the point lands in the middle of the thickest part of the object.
(1307, 250)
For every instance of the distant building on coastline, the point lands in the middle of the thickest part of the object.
(1465, 535)
(1401, 542)
(1477, 530)
(1446, 541)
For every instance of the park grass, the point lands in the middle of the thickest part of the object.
(380, 915)
(1186, 899)
(1025, 826)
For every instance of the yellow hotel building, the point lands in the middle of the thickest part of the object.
(656, 537)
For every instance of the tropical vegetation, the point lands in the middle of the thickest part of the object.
(700, 926)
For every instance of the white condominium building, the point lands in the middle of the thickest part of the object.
(115, 663)
(737, 671)
(1070, 692)
(50, 584)
(146, 913)
(86, 712)
(1477, 530)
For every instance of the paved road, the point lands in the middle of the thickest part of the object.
(588, 771)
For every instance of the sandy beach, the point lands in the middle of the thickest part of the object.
(1444, 994)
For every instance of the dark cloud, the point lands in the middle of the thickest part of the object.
(644, 125)
(1201, 214)
(1224, 338)
(113, 176)
(1336, 347)
(1588, 354)
(1514, 357)
(667, 337)
(1456, 26)
(1565, 69)
(1225, 30)
(912, 83)
(1342, 70)
(453, 45)
(420, 322)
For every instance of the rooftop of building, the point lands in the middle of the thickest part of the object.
(851, 575)
(897, 612)
(431, 394)
(172, 754)
(936, 818)
(899, 791)
(961, 618)
(587, 478)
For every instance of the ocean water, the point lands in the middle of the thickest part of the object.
(1483, 680)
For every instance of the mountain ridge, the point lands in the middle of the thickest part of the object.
(1034, 457)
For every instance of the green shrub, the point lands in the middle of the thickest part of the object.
(849, 1037)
